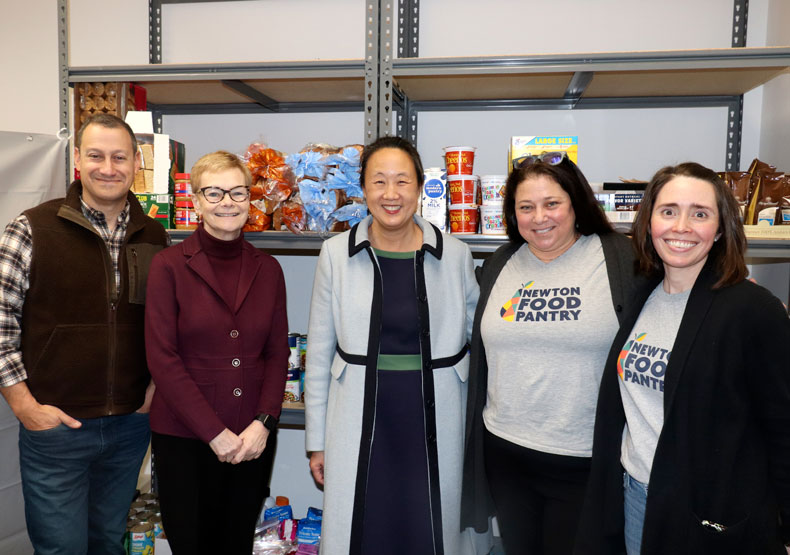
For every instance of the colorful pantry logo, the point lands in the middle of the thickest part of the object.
(508, 311)
(624, 353)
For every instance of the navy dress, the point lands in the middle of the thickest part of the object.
(397, 513)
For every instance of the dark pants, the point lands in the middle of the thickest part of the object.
(538, 497)
(208, 506)
(78, 483)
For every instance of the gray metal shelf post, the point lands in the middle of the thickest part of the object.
(63, 74)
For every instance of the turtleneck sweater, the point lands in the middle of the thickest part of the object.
(225, 258)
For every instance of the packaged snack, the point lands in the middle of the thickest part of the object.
(281, 512)
(770, 193)
(740, 184)
(267, 539)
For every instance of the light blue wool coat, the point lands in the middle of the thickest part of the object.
(340, 316)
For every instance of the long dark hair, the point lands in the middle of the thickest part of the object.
(728, 252)
(590, 218)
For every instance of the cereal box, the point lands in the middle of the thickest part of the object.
(536, 145)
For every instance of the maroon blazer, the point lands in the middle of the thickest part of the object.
(215, 366)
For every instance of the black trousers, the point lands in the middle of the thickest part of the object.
(538, 497)
(208, 506)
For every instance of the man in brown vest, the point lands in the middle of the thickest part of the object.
(72, 354)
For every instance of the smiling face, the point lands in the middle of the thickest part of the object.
(545, 217)
(107, 166)
(683, 227)
(392, 189)
(224, 219)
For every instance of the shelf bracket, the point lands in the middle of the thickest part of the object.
(154, 31)
(408, 28)
(378, 68)
(406, 125)
(578, 84)
(740, 19)
(734, 133)
(386, 50)
(63, 74)
(371, 131)
(253, 94)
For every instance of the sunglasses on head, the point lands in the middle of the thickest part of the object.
(550, 158)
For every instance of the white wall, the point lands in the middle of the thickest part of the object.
(29, 66)
(775, 121)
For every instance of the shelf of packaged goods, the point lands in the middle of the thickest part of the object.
(555, 77)
(293, 243)
(310, 243)
(221, 85)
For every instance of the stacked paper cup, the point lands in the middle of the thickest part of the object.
(492, 220)
(462, 187)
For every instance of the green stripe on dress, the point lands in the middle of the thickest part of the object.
(399, 362)
(393, 254)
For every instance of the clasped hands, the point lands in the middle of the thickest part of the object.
(246, 446)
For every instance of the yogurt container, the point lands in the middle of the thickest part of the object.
(462, 189)
(492, 188)
(459, 160)
(463, 218)
(492, 219)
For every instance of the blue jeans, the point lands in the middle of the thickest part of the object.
(635, 501)
(78, 484)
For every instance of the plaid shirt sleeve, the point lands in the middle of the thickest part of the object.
(16, 250)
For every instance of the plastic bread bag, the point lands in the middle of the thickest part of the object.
(307, 165)
(352, 213)
(319, 203)
(267, 540)
(294, 216)
(257, 220)
(346, 181)
(347, 159)
(269, 171)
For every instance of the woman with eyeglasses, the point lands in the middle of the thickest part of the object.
(216, 334)
(551, 301)
(692, 431)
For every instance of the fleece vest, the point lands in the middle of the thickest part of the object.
(82, 340)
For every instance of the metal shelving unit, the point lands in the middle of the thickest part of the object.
(386, 87)
(285, 242)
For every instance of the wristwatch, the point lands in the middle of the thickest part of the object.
(269, 422)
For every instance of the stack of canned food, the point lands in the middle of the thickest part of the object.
(294, 385)
(143, 525)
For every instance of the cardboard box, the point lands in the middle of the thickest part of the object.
(160, 159)
(536, 145)
(109, 98)
(159, 207)
(620, 206)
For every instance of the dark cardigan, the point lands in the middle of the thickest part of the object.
(723, 454)
(476, 504)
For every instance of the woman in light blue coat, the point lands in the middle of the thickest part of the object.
(385, 385)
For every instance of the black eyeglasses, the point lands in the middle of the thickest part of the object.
(215, 194)
(550, 158)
